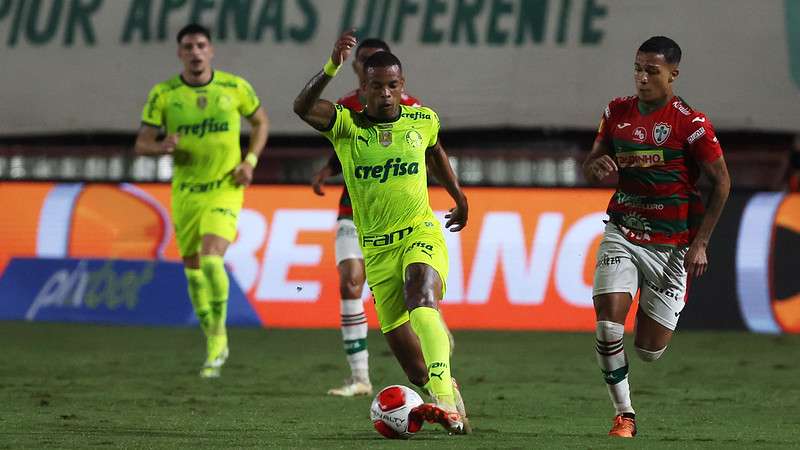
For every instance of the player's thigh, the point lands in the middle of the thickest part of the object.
(425, 267)
(616, 277)
(186, 218)
(214, 245)
(219, 218)
(408, 351)
(346, 244)
(384, 274)
(663, 295)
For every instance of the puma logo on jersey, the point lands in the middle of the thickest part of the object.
(362, 138)
(393, 167)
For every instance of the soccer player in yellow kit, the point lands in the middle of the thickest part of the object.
(200, 110)
(383, 152)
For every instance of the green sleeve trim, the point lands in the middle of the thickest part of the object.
(331, 123)
(258, 105)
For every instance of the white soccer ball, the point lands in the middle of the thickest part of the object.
(390, 412)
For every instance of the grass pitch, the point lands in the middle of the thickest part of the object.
(94, 386)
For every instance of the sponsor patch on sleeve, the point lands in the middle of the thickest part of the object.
(700, 132)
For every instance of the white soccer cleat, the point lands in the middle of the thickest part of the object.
(351, 388)
(462, 410)
(212, 369)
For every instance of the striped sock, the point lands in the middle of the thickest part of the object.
(354, 337)
(614, 364)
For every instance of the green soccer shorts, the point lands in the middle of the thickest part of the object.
(386, 271)
(196, 215)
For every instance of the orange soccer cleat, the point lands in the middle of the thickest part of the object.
(450, 420)
(623, 427)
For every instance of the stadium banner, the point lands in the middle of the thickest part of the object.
(524, 262)
(107, 291)
(500, 63)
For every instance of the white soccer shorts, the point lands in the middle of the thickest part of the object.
(347, 241)
(657, 270)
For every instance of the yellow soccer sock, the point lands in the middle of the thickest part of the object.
(199, 295)
(428, 325)
(214, 270)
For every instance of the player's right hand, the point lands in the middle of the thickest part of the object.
(344, 46)
(317, 181)
(602, 167)
(170, 142)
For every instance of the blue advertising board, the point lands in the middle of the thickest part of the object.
(147, 292)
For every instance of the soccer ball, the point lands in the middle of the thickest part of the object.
(390, 409)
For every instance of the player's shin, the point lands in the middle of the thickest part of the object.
(199, 295)
(427, 324)
(213, 268)
(354, 336)
(614, 364)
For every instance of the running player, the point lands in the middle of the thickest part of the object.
(200, 110)
(658, 230)
(383, 151)
(349, 260)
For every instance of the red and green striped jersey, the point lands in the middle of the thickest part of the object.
(657, 201)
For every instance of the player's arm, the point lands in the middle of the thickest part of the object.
(696, 261)
(259, 131)
(314, 111)
(439, 166)
(147, 142)
(332, 168)
(599, 164)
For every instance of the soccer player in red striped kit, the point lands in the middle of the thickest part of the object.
(658, 228)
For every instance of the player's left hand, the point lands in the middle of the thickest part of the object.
(695, 261)
(456, 218)
(243, 174)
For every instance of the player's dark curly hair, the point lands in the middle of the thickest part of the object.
(382, 59)
(194, 28)
(662, 45)
(373, 43)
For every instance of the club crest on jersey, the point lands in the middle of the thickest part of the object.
(385, 138)
(661, 132)
(414, 139)
(202, 102)
(224, 102)
(639, 134)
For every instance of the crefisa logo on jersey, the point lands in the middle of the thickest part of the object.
(639, 134)
(661, 132)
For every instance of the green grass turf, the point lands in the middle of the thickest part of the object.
(94, 386)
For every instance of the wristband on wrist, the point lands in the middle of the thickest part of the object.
(330, 68)
(252, 159)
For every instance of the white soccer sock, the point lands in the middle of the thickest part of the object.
(614, 364)
(354, 335)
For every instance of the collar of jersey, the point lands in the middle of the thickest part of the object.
(391, 120)
(197, 85)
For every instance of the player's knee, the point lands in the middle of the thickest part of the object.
(351, 287)
(649, 355)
